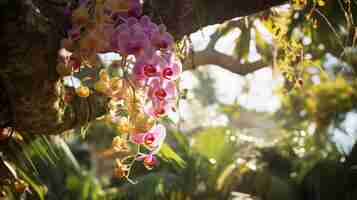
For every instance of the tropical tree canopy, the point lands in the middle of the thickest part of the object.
(178, 99)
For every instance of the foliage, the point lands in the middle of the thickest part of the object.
(206, 174)
(315, 96)
(41, 166)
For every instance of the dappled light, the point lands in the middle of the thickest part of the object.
(178, 100)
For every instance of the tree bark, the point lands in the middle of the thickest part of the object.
(31, 34)
(183, 17)
(32, 91)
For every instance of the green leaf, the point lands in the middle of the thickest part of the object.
(263, 47)
(167, 120)
(38, 188)
(224, 29)
(182, 141)
(241, 49)
(86, 188)
(214, 143)
(168, 154)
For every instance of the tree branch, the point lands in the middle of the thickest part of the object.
(210, 56)
(183, 17)
(214, 57)
(31, 32)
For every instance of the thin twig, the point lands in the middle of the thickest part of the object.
(331, 27)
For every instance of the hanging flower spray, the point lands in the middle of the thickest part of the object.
(146, 89)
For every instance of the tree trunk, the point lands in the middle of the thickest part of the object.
(32, 90)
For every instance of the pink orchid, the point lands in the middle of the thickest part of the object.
(147, 67)
(162, 39)
(152, 139)
(161, 90)
(173, 69)
(133, 42)
(149, 160)
(149, 75)
(149, 27)
(158, 109)
(130, 38)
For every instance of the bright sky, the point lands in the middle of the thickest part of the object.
(229, 86)
(261, 97)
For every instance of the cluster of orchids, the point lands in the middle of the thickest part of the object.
(143, 91)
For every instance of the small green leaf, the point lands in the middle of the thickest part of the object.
(168, 154)
(241, 49)
(263, 48)
(38, 188)
(167, 120)
(224, 29)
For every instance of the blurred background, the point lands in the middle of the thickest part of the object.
(286, 131)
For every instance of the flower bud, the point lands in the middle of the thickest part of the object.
(150, 161)
(82, 91)
(119, 144)
(103, 75)
(121, 170)
(124, 125)
(116, 84)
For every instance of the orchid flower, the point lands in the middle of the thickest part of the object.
(151, 139)
(145, 88)
(162, 39)
(149, 27)
(161, 90)
(158, 109)
(132, 40)
(173, 69)
(147, 67)
(149, 160)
